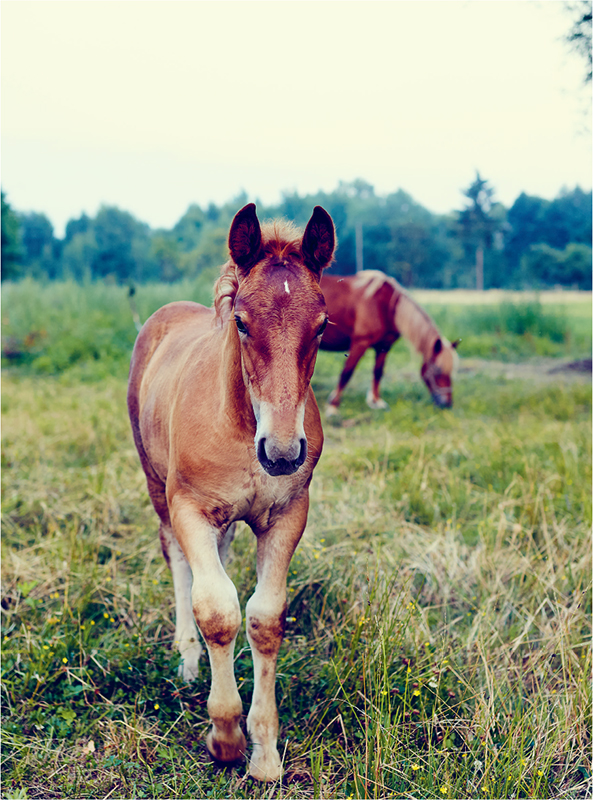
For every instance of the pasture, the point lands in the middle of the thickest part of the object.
(438, 636)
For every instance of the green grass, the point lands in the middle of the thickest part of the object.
(438, 638)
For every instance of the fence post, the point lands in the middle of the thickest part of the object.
(358, 233)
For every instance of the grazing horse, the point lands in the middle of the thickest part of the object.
(227, 428)
(371, 309)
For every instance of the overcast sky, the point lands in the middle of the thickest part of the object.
(151, 106)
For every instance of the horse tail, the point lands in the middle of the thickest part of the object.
(133, 308)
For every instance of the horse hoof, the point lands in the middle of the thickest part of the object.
(266, 768)
(376, 404)
(229, 753)
(189, 668)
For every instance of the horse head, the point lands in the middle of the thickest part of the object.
(437, 370)
(279, 315)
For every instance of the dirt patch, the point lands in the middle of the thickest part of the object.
(583, 365)
(542, 370)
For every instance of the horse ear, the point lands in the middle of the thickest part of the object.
(245, 238)
(455, 343)
(319, 241)
(438, 346)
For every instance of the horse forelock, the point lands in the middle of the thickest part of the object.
(447, 359)
(281, 240)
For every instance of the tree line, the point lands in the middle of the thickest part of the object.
(536, 243)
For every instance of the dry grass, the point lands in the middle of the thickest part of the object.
(496, 296)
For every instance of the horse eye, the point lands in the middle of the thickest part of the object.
(322, 327)
(240, 325)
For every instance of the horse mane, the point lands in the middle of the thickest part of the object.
(280, 240)
(411, 320)
(417, 326)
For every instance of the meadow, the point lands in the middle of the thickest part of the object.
(439, 625)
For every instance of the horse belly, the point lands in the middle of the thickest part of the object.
(335, 340)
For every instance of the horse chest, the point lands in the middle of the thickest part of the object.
(265, 498)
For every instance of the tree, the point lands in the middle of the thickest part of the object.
(78, 255)
(166, 252)
(556, 224)
(75, 226)
(577, 266)
(211, 252)
(41, 248)
(123, 245)
(477, 223)
(549, 266)
(568, 219)
(526, 219)
(11, 249)
(579, 35)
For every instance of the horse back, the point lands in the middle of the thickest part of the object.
(361, 307)
(341, 310)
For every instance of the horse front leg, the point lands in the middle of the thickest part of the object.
(186, 633)
(218, 615)
(266, 615)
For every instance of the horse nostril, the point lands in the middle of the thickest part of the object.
(303, 454)
(261, 451)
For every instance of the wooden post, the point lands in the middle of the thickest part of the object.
(480, 268)
(358, 234)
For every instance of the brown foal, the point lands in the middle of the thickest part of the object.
(227, 428)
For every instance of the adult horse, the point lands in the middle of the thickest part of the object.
(371, 309)
(227, 428)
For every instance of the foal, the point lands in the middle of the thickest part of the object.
(227, 428)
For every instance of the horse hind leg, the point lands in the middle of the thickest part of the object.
(373, 398)
(225, 543)
(357, 350)
(187, 637)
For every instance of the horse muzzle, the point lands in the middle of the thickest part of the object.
(442, 401)
(279, 461)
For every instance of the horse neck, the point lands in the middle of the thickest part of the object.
(415, 325)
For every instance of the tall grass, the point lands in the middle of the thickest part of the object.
(510, 329)
(438, 637)
(53, 327)
(57, 327)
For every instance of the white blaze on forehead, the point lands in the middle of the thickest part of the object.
(286, 289)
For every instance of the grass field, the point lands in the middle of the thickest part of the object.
(438, 639)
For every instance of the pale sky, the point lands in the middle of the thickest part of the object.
(151, 106)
